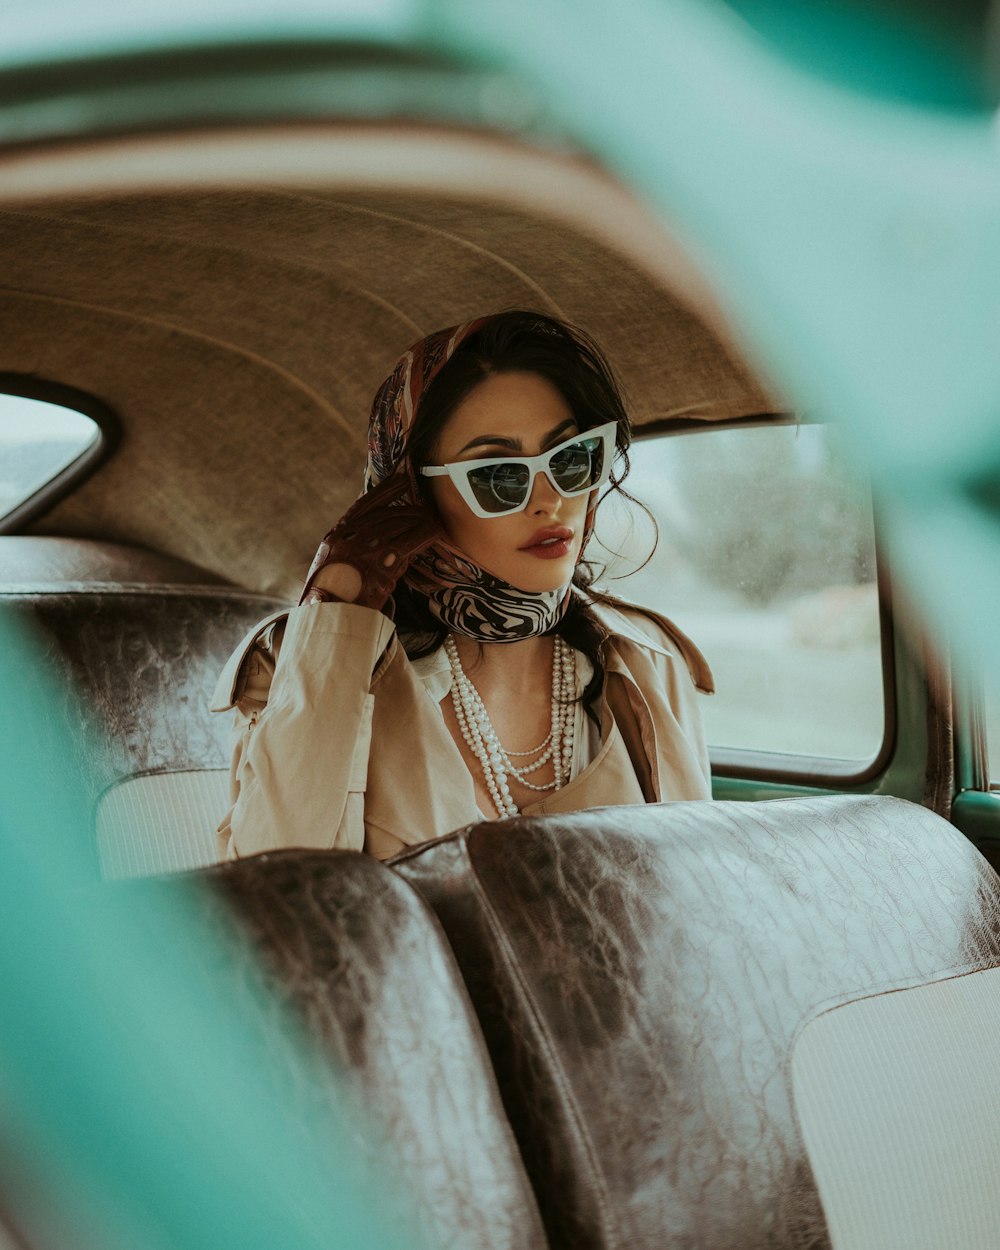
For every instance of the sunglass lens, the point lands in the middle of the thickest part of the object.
(499, 487)
(578, 466)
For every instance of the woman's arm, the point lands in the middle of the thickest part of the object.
(304, 695)
(303, 730)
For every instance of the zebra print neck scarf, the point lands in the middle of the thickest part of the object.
(465, 598)
(468, 600)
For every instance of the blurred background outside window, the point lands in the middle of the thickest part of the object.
(766, 558)
(37, 441)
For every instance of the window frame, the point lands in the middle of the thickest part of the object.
(975, 808)
(27, 386)
(795, 773)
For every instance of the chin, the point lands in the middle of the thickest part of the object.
(530, 574)
(538, 580)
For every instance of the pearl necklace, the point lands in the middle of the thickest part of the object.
(480, 736)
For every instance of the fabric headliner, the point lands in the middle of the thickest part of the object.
(240, 338)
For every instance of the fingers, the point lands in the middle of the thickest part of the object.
(341, 581)
(363, 557)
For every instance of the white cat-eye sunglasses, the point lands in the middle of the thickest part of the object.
(496, 487)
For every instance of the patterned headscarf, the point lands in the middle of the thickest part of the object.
(464, 597)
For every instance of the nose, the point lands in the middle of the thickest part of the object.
(544, 499)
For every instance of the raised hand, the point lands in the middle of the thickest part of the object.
(370, 548)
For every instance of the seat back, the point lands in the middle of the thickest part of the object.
(643, 977)
(133, 643)
(361, 962)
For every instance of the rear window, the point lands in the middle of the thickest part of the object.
(42, 446)
(766, 558)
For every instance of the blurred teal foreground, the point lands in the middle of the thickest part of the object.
(852, 234)
(140, 1112)
(831, 164)
(839, 183)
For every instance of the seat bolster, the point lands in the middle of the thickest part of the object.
(550, 1129)
(360, 960)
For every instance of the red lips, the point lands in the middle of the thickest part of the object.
(549, 543)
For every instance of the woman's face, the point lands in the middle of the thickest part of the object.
(512, 414)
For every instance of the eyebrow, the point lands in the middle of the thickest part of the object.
(501, 440)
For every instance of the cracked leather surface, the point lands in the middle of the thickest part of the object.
(32, 562)
(357, 956)
(641, 974)
(132, 670)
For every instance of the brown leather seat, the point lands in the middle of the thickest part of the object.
(643, 976)
(713, 1025)
(133, 643)
(359, 958)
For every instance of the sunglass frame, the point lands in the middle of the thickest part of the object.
(459, 470)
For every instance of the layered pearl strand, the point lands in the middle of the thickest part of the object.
(496, 762)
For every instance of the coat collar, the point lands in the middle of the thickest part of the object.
(640, 627)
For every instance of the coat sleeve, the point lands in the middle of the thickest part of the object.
(301, 684)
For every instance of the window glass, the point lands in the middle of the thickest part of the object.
(766, 559)
(37, 441)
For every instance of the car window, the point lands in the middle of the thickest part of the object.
(38, 442)
(766, 557)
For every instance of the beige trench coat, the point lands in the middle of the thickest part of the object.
(338, 743)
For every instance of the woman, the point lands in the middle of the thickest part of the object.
(447, 661)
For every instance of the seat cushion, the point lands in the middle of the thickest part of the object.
(641, 975)
(160, 822)
(361, 962)
(899, 1106)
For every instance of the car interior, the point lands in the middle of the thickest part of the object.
(758, 1022)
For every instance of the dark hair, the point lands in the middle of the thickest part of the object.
(523, 342)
